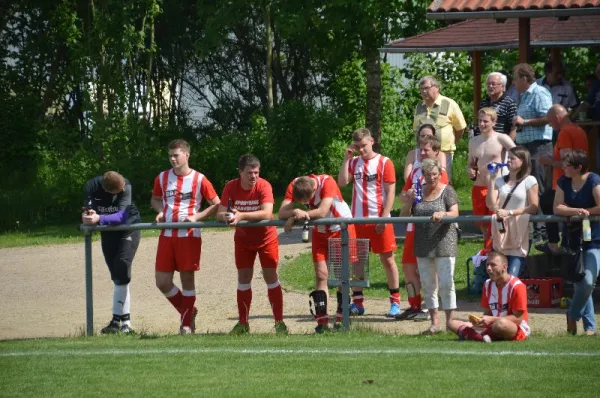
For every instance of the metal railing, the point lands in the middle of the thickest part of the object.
(343, 222)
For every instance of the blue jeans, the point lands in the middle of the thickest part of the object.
(587, 315)
(582, 305)
(514, 264)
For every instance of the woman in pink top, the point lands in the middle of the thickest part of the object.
(512, 196)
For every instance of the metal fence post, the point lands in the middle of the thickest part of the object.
(89, 299)
(345, 277)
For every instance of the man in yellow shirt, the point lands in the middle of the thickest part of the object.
(449, 121)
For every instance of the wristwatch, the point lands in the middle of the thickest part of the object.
(510, 213)
(525, 122)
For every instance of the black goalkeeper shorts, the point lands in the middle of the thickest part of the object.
(119, 250)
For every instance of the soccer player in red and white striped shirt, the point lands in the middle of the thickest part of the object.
(373, 192)
(323, 197)
(177, 197)
(504, 302)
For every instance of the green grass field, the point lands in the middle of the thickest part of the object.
(341, 364)
(358, 363)
(298, 273)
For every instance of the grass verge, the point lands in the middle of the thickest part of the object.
(340, 364)
(298, 273)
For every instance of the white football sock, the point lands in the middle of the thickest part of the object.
(122, 301)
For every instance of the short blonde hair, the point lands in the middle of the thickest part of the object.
(361, 133)
(429, 164)
(489, 111)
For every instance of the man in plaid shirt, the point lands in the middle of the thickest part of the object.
(533, 131)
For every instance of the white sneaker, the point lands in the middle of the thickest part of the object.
(186, 330)
(487, 339)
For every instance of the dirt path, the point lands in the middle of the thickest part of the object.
(43, 294)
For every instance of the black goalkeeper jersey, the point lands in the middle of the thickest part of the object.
(105, 203)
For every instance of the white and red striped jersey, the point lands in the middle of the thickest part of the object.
(326, 188)
(368, 195)
(502, 302)
(182, 197)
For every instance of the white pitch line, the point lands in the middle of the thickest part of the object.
(292, 351)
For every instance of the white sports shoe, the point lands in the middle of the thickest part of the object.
(487, 339)
(186, 330)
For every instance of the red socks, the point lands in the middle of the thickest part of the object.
(415, 302)
(358, 298)
(468, 333)
(275, 294)
(188, 299)
(175, 298)
(244, 299)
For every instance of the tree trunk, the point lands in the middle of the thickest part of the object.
(373, 111)
(269, 58)
(148, 92)
(99, 66)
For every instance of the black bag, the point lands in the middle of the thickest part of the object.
(575, 269)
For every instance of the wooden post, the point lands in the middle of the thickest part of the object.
(476, 65)
(555, 56)
(524, 37)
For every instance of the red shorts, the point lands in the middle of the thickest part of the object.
(178, 254)
(268, 254)
(478, 195)
(320, 244)
(520, 336)
(378, 243)
(408, 254)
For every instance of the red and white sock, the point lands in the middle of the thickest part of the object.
(322, 319)
(358, 298)
(188, 300)
(395, 296)
(175, 298)
(275, 294)
(468, 333)
(244, 300)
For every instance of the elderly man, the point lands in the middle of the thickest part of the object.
(562, 90)
(533, 131)
(592, 100)
(446, 114)
(570, 137)
(504, 105)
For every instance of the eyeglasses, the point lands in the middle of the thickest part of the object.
(494, 84)
(425, 88)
